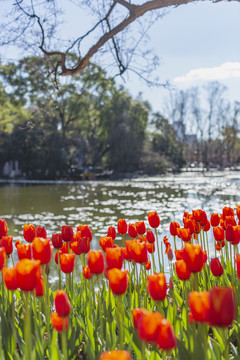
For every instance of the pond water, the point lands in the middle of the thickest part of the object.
(100, 204)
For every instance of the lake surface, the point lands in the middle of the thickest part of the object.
(100, 204)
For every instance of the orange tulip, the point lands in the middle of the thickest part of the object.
(173, 228)
(132, 230)
(29, 232)
(42, 250)
(86, 272)
(96, 261)
(75, 248)
(28, 274)
(218, 233)
(118, 281)
(57, 240)
(141, 228)
(85, 231)
(182, 270)
(62, 303)
(197, 215)
(114, 258)
(199, 303)
(139, 251)
(58, 322)
(166, 339)
(106, 242)
(150, 248)
(10, 278)
(112, 232)
(148, 326)
(148, 265)
(115, 355)
(2, 257)
(41, 232)
(122, 226)
(179, 254)
(216, 267)
(193, 257)
(238, 265)
(238, 211)
(222, 306)
(67, 233)
(7, 242)
(153, 219)
(136, 313)
(3, 227)
(157, 286)
(67, 262)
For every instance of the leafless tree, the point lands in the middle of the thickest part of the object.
(35, 23)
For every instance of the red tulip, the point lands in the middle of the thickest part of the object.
(58, 322)
(238, 265)
(3, 227)
(2, 257)
(114, 258)
(148, 265)
(153, 219)
(41, 249)
(199, 303)
(7, 242)
(227, 211)
(230, 233)
(150, 237)
(29, 232)
(75, 248)
(118, 281)
(136, 313)
(218, 233)
(10, 278)
(193, 257)
(106, 242)
(122, 226)
(179, 254)
(166, 339)
(141, 228)
(85, 231)
(157, 286)
(150, 248)
(67, 233)
(28, 274)
(173, 228)
(62, 303)
(112, 232)
(132, 230)
(57, 240)
(215, 219)
(216, 267)
(86, 272)
(182, 270)
(148, 326)
(96, 261)
(67, 262)
(139, 251)
(222, 306)
(41, 232)
(238, 211)
(83, 244)
(207, 226)
(39, 288)
(184, 234)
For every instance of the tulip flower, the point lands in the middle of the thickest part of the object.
(114, 258)
(57, 240)
(214, 220)
(150, 248)
(179, 254)
(148, 265)
(62, 303)
(193, 257)
(112, 232)
(42, 250)
(87, 272)
(106, 242)
(96, 261)
(216, 267)
(28, 274)
(29, 232)
(141, 228)
(138, 251)
(7, 242)
(2, 257)
(118, 281)
(3, 228)
(229, 233)
(132, 230)
(83, 244)
(75, 247)
(157, 286)
(67, 233)
(85, 231)
(238, 211)
(173, 228)
(227, 211)
(150, 237)
(115, 355)
(122, 227)
(10, 278)
(136, 313)
(39, 288)
(182, 270)
(222, 306)
(58, 322)
(207, 226)
(67, 262)
(199, 303)
(166, 339)
(41, 232)
(218, 233)
(148, 326)
(153, 219)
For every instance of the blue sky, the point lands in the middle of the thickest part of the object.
(196, 43)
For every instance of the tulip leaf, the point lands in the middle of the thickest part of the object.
(183, 353)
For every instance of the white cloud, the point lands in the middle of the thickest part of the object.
(221, 72)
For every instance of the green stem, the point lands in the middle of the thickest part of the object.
(100, 307)
(64, 341)
(27, 327)
(120, 320)
(159, 259)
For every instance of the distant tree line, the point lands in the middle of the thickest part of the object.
(85, 124)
